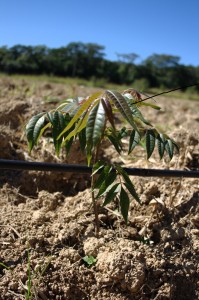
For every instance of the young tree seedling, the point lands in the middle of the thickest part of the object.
(92, 120)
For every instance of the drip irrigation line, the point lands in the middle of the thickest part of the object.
(40, 166)
(166, 92)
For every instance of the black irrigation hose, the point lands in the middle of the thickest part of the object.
(40, 166)
(166, 92)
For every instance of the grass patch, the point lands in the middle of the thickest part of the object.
(189, 94)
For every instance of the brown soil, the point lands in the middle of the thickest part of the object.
(48, 217)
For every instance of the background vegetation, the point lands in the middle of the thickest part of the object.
(88, 61)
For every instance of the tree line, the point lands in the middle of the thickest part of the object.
(87, 60)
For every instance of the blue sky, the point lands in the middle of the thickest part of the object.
(143, 27)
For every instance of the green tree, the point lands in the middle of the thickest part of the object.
(163, 60)
(127, 58)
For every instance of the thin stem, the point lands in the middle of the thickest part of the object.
(95, 206)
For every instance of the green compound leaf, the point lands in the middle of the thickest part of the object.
(109, 112)
(59, 121)
(122, 133)
(135, 111)
(68, 107)
(98, 166)
(114, 139)
(169, 148)
(75, 129)
(124, 204)
(161, 141)
(148, 104)
(95, 125)
(122, 105)
(58, 126)
(106, 185)
(107, 169)
(82, 139)
(115, 143)
(129, 185)
(112, 193)
(133, 94)
(68, 145)
(134, 140)
(94, 129)
(50, 117)
(81, 110)
(150, 142)
(137, 98)
(33, 129)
